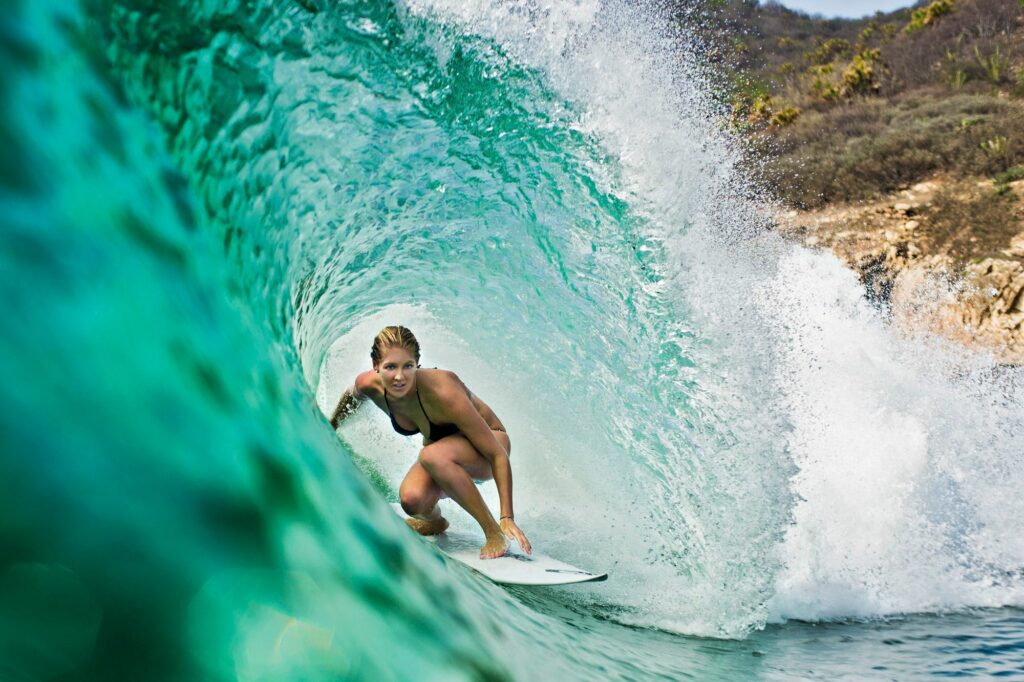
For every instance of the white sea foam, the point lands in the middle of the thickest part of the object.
(908, 455)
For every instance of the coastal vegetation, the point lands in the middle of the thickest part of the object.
(864, 127)
(852, 109)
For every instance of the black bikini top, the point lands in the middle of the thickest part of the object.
(437, 431)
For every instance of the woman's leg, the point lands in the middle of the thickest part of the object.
(419, 495)
(452, 464)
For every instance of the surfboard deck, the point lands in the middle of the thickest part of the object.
(515, 568)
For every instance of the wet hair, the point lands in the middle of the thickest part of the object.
(394, 337)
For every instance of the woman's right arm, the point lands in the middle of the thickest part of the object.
(348, 403)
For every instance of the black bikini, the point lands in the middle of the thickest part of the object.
(437, 431)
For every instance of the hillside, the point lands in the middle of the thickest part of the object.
(897, 141)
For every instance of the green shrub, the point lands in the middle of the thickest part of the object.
(997, 149)
(867, 33)
(1012, 175)
(956, 78)
(761, 109)
(826, 90)
(744, 90)
(969, 122)
(859, 76)
(785, 117)
(1004, 179)
(1018, 80)
(955, 74)
(995, 66)
(823, 85)
(926, 16)
(751, 110)
(827, 51)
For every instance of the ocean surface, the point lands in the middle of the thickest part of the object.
(209, 209)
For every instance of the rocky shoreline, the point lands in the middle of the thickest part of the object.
(926, 278)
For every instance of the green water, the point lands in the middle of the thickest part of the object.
(208, 210)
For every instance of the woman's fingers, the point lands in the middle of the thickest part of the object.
(514, 533)
(523, 542)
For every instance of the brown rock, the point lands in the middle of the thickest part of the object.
(1016, 248)
(908, 263)
(984, 307)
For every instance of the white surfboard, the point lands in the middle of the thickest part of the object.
(515, 568)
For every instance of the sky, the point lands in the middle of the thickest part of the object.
(846, 8)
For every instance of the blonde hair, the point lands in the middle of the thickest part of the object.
(394, 337)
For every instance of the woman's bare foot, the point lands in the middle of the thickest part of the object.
(427, 526)
(496, 546)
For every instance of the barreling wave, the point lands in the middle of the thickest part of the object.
(210, 211)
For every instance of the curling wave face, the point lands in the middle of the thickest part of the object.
(210, 210)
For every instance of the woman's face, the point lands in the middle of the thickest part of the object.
(397, 370)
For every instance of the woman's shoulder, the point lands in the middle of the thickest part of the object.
(368, 383)
(441, 382)
(437, 372)
(437, 377)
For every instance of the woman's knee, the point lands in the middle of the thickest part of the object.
(415, 500)
(432, 457)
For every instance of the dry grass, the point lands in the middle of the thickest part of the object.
(878, 107)
(971, 222)
(876, 147)
(969, 35)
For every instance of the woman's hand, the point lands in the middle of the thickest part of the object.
(346, 405)
(511, 531)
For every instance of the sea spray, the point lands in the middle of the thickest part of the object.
(909, 451)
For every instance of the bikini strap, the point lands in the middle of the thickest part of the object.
(429, 420)
(394, 423)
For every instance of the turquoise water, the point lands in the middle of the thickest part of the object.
(209, 209)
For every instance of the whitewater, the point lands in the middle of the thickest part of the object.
(210, 209)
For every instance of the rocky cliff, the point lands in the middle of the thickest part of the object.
(915, 266)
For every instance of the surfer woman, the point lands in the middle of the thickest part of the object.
(463, 440)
